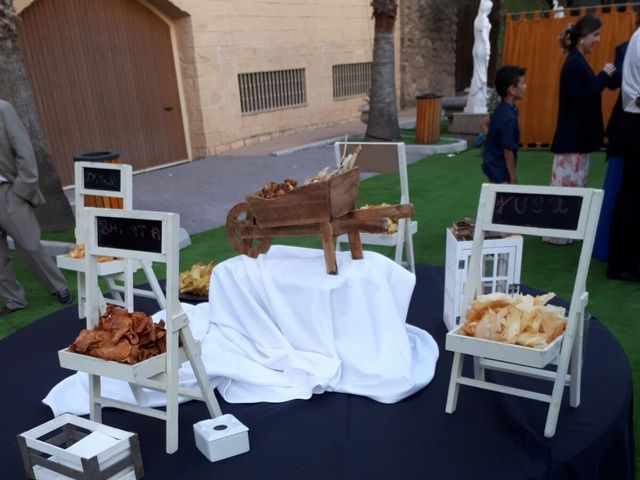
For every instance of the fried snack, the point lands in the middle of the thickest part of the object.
(196, 280)
(78, 252)
(275, 190)
(122, 337)
(392, 223)
(520, 320)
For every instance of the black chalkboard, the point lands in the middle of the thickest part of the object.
(561, 212)
(102, 179)
(130, 234)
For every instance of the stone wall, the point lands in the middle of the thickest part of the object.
(428, 39)
(242, 36)
(215, 40)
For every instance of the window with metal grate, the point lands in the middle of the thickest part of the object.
(264, 91)
(351, 80)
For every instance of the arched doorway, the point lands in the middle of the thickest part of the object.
(104, 78)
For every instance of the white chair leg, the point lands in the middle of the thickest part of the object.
(575, 385)
(114, 288)
(139, 394)
(95, 392)
(400, 236)
(478, 369)
(411, 264)
(556, 395)
(173, 366)
(155, 285)
(193, 353)
(82, 294)
(454, 386)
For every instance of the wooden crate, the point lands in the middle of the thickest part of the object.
(319, 202)
(70, 447)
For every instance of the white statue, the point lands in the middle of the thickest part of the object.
(559, 11)
(477, 99)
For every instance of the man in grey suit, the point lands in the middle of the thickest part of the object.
(19, 195)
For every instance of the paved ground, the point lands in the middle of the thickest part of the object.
(203, 191)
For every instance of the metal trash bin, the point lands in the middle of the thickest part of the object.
(428, 108)
(95, 200)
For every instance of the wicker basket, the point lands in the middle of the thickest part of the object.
(319, 202)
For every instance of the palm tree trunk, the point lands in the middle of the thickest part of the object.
(16, 89)
(383, 110)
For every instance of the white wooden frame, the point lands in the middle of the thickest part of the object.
(159, 372)
(30, 441)
(114, 271)
(458, 253)
(384, 157)
(565, 351)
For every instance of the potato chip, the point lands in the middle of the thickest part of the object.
(195, 281)
(521, 320)
(77, 252)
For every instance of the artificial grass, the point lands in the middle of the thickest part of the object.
(443, 189)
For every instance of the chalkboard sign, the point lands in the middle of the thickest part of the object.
(560, 212)
(102, 179)
(130, 234)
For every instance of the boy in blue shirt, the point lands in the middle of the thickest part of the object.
(501, 145)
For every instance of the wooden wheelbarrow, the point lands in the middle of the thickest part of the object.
(324, 208)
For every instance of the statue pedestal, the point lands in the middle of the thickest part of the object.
(466, 125)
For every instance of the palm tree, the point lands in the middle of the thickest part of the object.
(383, 110)
(15, 88)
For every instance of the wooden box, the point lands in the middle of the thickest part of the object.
(70, 447)
(319, 202)
(108, 368)
(506, 352)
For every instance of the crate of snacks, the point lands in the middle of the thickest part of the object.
(70, 447)
(513, 328)
(319, 201)
(125, 345)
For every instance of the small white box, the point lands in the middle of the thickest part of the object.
(221, 437)
(501, 263)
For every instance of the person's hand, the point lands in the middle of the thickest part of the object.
(609, 68)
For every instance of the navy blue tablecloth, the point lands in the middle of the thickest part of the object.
(340, 436)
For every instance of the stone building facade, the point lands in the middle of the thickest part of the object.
(428, 41)
(221, 45)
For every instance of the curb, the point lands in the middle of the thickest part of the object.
(457, 145)
(319, 143)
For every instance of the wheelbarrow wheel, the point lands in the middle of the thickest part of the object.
(238, 217)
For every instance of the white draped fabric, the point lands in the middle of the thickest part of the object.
(279, 328)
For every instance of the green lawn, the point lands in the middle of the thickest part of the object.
(443, 189)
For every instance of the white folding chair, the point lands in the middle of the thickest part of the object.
(111, 186)
(384, 157)
(539, 211)
(146, 237)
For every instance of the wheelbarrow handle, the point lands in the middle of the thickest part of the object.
(404, 210)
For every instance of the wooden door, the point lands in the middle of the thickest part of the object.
(104, 78)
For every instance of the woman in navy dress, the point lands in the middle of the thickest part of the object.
(579, 128)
